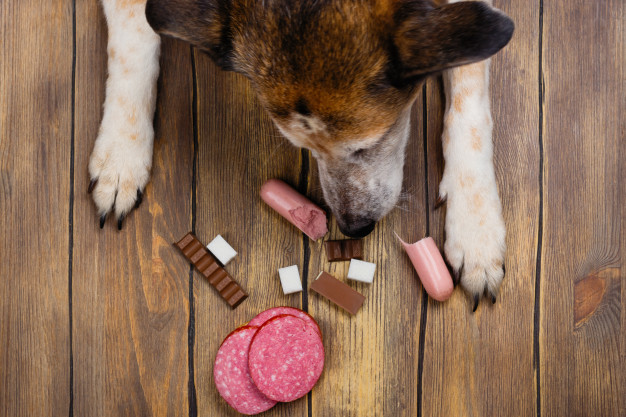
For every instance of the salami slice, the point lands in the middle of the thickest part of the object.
(286, 358)
(264, 316)
(232, 377)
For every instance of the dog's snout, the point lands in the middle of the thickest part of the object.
(358, 229)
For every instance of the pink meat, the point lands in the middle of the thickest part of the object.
(286, 358)
(430, 268)
(232, 377)
(264, 316)
(299, 210)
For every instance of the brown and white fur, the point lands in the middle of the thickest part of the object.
(338, 77)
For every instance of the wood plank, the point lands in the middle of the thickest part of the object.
(582, 334)
(372, 358)
(130, 288)
(35, 143)
(238, 149)
(482, 364)
(622, 195)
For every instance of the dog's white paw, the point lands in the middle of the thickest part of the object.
(475, 231)
(119, 168)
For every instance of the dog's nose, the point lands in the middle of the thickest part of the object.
(359, 229)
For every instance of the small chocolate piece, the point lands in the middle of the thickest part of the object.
(344, 250)
(199, 256)
(338, 292)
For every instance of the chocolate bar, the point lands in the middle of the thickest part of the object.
(199, 256)
(338, 292)
(344, 250)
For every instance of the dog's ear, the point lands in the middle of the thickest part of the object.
(203, 23)
(429, 40)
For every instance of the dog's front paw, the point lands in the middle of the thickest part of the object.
(120, 168)
(475, 232)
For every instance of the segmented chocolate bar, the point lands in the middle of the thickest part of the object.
(344, 250)
(217, 276)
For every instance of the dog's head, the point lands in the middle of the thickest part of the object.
(339, 76)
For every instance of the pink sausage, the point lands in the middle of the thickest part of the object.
(299, 210)
(430, 267)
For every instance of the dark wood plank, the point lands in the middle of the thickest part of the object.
(35, 143)
(372, 358)
(622, 196)
(582, 349)
(238, 149)
(130, 288)
(482, 364)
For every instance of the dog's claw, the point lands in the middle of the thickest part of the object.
(451, 271)
(103, 218)
(493, 299)
(503, 269)
(92, 184)
(476, 300)
(139, 198)
(440, 201)
(456, 277)
(120, 222)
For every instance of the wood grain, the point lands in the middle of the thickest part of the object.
(482, 364)
(621, 190)
(583, 367)
(372, 358)
(35, 141)
(130, 288)
(129, 297)
(238, 150)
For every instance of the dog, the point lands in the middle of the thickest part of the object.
(338, 77)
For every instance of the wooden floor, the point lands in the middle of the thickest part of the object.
(106, 323)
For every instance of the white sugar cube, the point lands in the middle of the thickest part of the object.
(361, 271)
(290, 279)
(221, 250)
